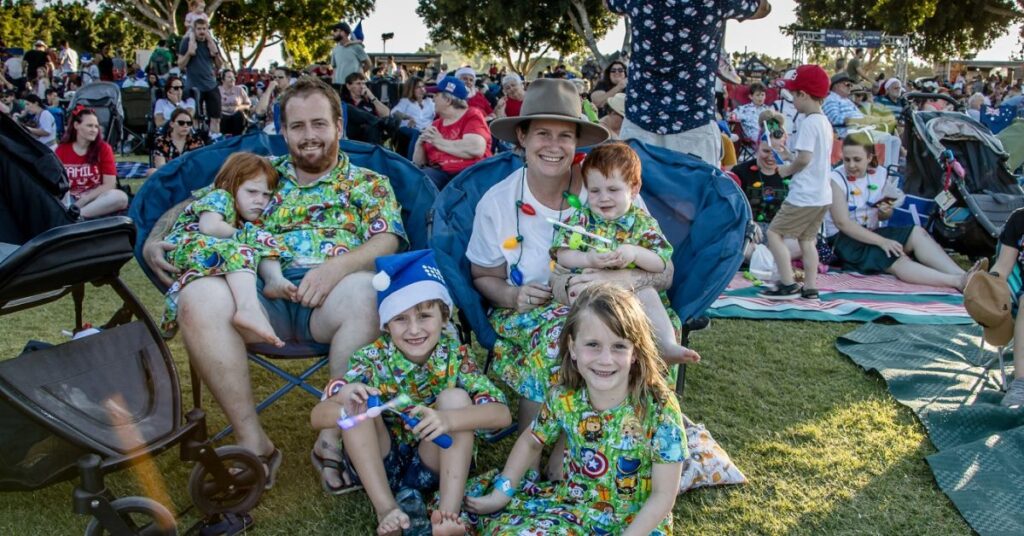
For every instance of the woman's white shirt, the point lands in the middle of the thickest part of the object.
(422, 116)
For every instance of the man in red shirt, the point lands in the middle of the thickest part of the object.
(457, 139)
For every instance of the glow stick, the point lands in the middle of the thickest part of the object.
(580, 230)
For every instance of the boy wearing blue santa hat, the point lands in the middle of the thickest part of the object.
(415, 357)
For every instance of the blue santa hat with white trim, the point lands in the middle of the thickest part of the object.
(405, 280)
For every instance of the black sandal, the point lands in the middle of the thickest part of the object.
(272, 462)
(345, 472)
(809, 293)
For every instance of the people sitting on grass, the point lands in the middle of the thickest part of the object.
(38, 121)
(357, 94)
(174, 97)
(621, 421)
(416, 112)
(90, 166)
(414, 357)
(457, 139)
(179, 138)
(862, 200)
(331, 258)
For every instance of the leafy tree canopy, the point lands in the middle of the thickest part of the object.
(526, 28)
(938, 29)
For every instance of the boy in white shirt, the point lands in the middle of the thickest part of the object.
(809, 193)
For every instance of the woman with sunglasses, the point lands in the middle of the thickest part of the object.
(611, 83)
(175, 98)
(178, 140)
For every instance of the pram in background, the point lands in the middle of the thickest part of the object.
(104, 402)
(939, 146)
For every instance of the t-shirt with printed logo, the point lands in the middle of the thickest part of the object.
(676, 46)
(82, 174)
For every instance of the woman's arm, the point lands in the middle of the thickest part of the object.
(213, 224)
(600, 97)
(158, 161)
(419, 154)
(493, 287)
(664, 488)
(470, 146)
(109, 183)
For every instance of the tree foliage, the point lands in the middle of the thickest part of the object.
(22, 23)
(938, 28)
(525, 28)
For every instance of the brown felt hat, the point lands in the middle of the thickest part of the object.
(987, 300)
(555, 99)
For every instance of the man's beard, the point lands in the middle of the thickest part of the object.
(316, 165)
(338, 38)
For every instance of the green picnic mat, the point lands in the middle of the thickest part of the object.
(937, 372)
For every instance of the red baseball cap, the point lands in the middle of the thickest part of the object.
(810, 79)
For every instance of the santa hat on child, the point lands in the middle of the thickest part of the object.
(405, 280)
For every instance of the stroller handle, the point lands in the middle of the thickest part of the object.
(917, 96)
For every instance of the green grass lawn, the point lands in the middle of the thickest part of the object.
(825, 447)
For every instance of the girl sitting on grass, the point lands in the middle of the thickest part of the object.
(624, 429)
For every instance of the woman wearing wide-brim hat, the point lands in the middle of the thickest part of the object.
(514, 275)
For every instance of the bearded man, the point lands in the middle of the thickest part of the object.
(335, 218)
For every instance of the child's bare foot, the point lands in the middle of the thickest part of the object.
(392, 522)
(280, 288)
(675, 353)
(446, 524)
(256, 323)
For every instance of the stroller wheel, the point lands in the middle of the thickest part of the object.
(142, 515)
(233, 488)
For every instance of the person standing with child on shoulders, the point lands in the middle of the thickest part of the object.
(199, 57)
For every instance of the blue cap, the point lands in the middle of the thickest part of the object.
(405, 280)
(452, 86)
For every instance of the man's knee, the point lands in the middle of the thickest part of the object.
(453, 398)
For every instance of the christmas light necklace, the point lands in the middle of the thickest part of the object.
(522, 207)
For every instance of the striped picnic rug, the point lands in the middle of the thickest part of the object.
(847, 297)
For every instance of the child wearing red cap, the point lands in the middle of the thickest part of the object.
(809, 193)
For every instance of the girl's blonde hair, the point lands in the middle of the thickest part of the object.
(621, 312)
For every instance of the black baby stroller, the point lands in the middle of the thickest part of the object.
(99, 403)
(949, 151)
(105, 99)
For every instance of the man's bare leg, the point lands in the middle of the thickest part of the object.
(348, 320)
(218, 352)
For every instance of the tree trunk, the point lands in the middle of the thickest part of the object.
(581, 23)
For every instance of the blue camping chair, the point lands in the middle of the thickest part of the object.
(175, 182)
(701, 211)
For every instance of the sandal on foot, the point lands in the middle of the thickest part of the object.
(781, 292)
(271, 462)
(345, 473)
(809, 293)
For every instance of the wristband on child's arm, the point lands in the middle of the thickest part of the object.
(504, 485)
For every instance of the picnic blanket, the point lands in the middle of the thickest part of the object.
(937, 372)
(847, 297)
(132, 170)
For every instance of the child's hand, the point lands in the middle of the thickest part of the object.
(432, 424)
(628, 254)
(280, 288)
(354, 397)
(487, 504)
(612, 259)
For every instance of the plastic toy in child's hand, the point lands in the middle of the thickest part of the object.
(577, 243)
(376, 408)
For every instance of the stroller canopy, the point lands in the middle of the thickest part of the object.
(700, 210)
(105, 99)
(979, 152)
